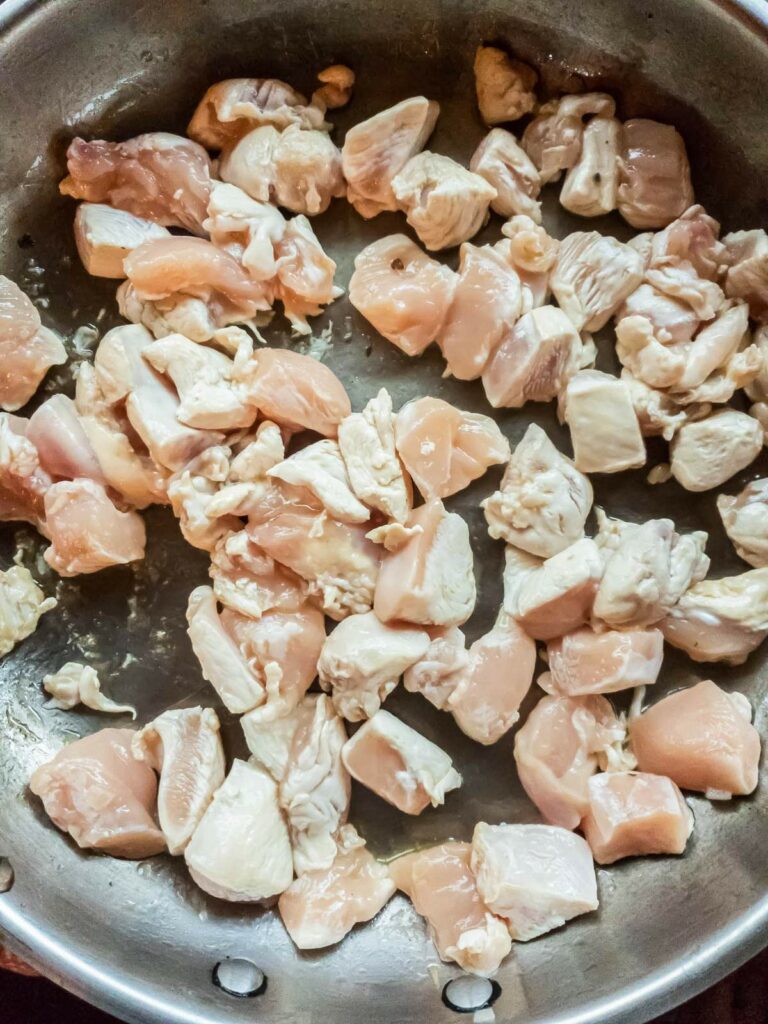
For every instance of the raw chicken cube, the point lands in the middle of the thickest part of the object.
(535, 876)
(320, 907)
(193, 492)
(693, 237)
(633, 814)
(399, 764)
(74, 684)
(557, 598)
(505, 86)
(702, 738)
(245, 228)
(657, 413)
(655, 185)
(544, 500)
(590, 186)
(444, 203)
(250, 582)
(532, 251)
(672, 320)
(377, 149)
(104, 235)
(705, 453)
(270, 730)
(321, 469)
(402, 292)
(605, 431)
(97, 792)
(553, 138)
(745, 518)
(585, 662)
(23, 482)
(505, 165)
(440, 884)
(27, 348)
(22, 602)
(436, 675)
(593, 276)
(746, 252)
(240, 851)
(62, 445)
(184, 748)
(443, 448)
(430, 580)
(305, 274)
(362, 660)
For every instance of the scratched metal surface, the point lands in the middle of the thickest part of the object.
(139, 939)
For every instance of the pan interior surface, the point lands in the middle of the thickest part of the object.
(139, 939)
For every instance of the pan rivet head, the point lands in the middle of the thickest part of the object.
(239, 977)
(468, 993)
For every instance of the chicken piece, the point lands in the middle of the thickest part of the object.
(656, 412)
(505, 165)
(487, 300)
(193, 317)
(74, 684)
(505, 87)
(590, 186)
(489, 691)
(337, 82)
(443, 448)
(430, 580)
(245, 228)
(557, 597)
(402, 292)
(553, 138)
(745, 518)
(22, 603)
(439, 882)
(678, 279)
(746, 253)
(634, 814)
(377, 149)
(436, 674)
(234, 107)
(531, 250)
(702, 738)
(535, 876)
(184, 747)
(294, 390)
(399, 764)
(518, 566)
(367, 444)
(655, 177)
(362, 660)
(23, 482)
(62, 445)
(721, 620)
(305, 274)
(321, 469)
(104, 235)
(240, 850)
(534, 361)
(593, 276)
(94, 790)
(605, 431)
(192, 493)
(705, 453)
(444, 203)
(320, 907)
(694, 238)
(543, 501)
(559, 748)
(160, 177)
(297, 169)
(28, 349)
(87, 532)
(392, 536)
(248, 581)
(655, 363)
(585, 662)
(672, 320)
(721, 385)
(269, 732)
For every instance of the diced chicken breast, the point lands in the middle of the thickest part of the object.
(439, 882)
(87, 532)
(240, 850)
(23, 482)
(705, 453)
(543, 501)
(532, 251)
(321, 469)
(192, 493)
(104, 235)
(593, 276)
(74, 684)
(430, 580)
(250, 582)
(399, 764)
(702, 738)
(590, 186)
(558, 749)
(444, 203)
(161, 177)
(184, 747)
(367, 444)
(605, 431)
(443, 448)
(305, 274)
(245, 228)
(655, 177)
(487, 301)
(320, 907)
(693, 237)
(27, 348)
(22, 603)
(436, 674)
(746, 253)
(61, 442)
(553, 138)
(633, 814)
(585, 662)
(534, 361)
(672, 320)
(745, 518)
(97, 792)
(721, 620)
(377, 149)
(505, 86)
(505, 165)
(402, 292)
(557, 598)
(362, 660)
(656, 412)
(535, 876)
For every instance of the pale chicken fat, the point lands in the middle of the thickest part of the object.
(75, 683)
(558, 597)
(593, 276)
(705, 453)
(655, 177)
(536, 877)
(28, 349)
(745, 518)
(590, 186)
(22, 603)
(321, 469)
(505, 165)
(104, 235)
(585, 662)
(505, 87)
(605, 431)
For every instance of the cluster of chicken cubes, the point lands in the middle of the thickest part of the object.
(308, 512)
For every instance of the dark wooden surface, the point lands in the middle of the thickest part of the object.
(740, 999)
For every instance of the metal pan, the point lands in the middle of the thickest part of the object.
(140, 940)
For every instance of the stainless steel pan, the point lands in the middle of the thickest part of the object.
(140, 940)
